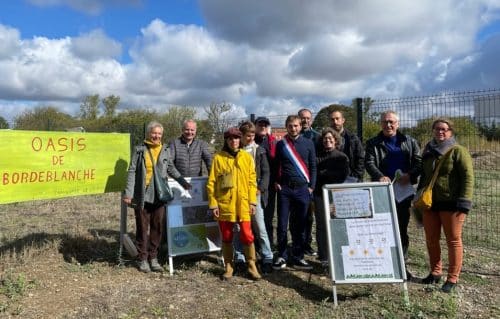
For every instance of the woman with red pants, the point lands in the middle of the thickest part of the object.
(232, 198)
(451, 200)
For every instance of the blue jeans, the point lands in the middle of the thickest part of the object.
(260, 234)
(293, 207)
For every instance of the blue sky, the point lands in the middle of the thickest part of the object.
(264, 57)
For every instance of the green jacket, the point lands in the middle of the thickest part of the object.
(455, 182)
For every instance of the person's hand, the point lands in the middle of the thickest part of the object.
(252, 209)
(277, 187)
(384, 179)
(215, 212)
(187, 186)
(127, 200)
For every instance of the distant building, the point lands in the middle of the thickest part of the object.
(487, 110)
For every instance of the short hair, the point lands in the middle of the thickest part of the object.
(335, 134)
(188, 121)
(247, 127)
(336, 110)
(291, 118)
(444, 120)
(383, 114)
(304, 110)
(151, 125)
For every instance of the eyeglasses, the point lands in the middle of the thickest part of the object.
(388, 122)
(441, 129)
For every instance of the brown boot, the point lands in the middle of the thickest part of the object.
(227, 253)
(250, 257)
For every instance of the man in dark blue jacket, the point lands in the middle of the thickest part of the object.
(295, 173)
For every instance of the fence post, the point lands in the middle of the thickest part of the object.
(359, 117)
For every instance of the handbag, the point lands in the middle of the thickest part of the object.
(163, 192)
(423, 198)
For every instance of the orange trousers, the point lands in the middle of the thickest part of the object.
(452, 224)
(246, 234)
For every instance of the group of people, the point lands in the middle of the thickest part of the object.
(255, 177)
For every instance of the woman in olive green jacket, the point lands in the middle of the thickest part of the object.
(451, 200)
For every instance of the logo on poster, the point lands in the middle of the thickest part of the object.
(181, 238)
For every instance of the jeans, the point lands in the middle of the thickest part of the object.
(321, 233)
(269, 214)
(293, 205)
(260, 233)
(403, 212)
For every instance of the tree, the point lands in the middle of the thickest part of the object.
(47, 118)
(217, 117)
(173, 119)
(110, 104)
(89, 109)
(3, 123)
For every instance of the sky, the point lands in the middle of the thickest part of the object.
(263, 57)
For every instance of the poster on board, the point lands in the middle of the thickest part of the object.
(190, 227)
(363, 237)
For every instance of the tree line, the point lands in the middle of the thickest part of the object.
(98, 114)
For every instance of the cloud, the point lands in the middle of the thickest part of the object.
(264, 57)
(95, 45)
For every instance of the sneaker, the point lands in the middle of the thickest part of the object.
(155, 265)
(279, 264)
(144, 266)
(310, 252)
(302, 264)
(266, 268)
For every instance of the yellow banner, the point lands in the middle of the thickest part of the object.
(41, 165)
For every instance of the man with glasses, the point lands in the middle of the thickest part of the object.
(307, 131)
(392, 155)
(350, 145)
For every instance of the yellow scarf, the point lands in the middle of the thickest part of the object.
(155, 151)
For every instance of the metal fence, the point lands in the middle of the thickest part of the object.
(475, 115)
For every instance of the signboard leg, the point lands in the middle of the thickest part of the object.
(123, 228)
(335, 301)
(171, 265)
(405, 294)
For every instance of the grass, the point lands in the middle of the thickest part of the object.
(47, 269)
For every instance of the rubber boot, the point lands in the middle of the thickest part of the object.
(227, 253)
(251, 259)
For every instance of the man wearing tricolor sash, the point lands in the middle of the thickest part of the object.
(295, 179)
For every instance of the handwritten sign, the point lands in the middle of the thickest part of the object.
(42, 165)
(351, 203)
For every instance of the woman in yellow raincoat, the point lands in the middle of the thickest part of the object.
(232, 189)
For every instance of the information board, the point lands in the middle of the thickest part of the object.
(363, 234)
(190, 228)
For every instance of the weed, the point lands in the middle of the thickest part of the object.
(15, 287)
(158, 311)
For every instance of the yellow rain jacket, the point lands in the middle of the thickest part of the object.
(232, 186)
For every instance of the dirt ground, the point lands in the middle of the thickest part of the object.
(59, 259)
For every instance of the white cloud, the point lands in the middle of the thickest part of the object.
(264, 57)
(95, 45)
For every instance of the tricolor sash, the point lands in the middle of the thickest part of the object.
(295, 158)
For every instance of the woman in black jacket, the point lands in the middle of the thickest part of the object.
(333, 168)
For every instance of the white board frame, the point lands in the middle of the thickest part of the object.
(334, 260)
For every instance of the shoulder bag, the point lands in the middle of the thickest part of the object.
(164, 193)
(423, 198)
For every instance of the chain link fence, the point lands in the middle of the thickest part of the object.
(475, 115)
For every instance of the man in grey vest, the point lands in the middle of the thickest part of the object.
(189, 153)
